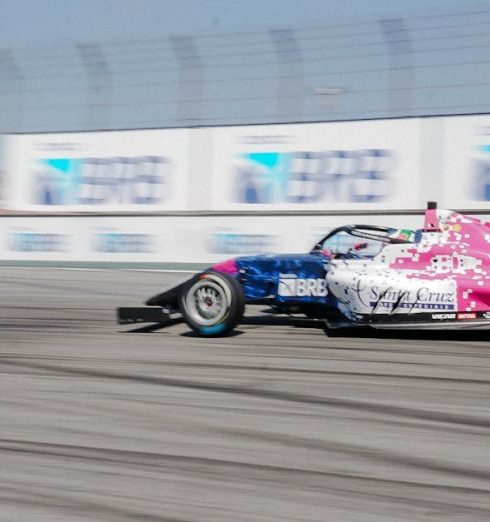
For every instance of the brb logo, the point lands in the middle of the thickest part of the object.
(30, 241)
(481, 186)
(292, 286)
(348, 176)
(229, 242)
(141, 180)
(111, 242)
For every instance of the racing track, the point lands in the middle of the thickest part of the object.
(277, 423)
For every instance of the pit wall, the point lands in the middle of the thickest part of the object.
(189, 197)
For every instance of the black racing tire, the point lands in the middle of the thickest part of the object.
(213, 304)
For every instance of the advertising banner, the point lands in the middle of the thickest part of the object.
(98, 171)
(466, 178)
(325, 166)
(166, 239)
(376, 165)
(29, 238)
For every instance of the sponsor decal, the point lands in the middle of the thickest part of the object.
(292, 286)
(139, 180)
(230, 242)
(486, 315)
(463, 316)
(420, 299)
(29, 241)
(116, 242)
(443, 316)
(348, 176)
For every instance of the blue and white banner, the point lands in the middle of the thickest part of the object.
(166, 239)
(466, 178)
(375, 165)
(101, 171)
(324, 166)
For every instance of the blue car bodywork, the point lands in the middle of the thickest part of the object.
(266, 278)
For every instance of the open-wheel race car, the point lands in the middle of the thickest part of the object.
(436, 277)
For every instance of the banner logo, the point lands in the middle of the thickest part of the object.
(230, 242)
(30, 241)
(140, 180)
(481, 184)
(111, 242)
(354, 176)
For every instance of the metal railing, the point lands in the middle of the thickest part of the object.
(424, 64)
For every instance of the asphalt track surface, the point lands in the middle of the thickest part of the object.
(276, 423)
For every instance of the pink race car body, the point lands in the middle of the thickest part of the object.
(442, 277)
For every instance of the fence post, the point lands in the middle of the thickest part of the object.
(99, 85)
(190, 79)
(401, 66)
(290, 75)
(11, 93)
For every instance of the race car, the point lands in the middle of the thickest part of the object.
(436, 277)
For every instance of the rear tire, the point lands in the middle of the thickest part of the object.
(213, 305)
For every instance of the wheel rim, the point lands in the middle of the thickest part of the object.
(207, 302)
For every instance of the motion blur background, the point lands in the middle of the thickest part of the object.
(272, 121)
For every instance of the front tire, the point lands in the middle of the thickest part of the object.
(213, 304)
